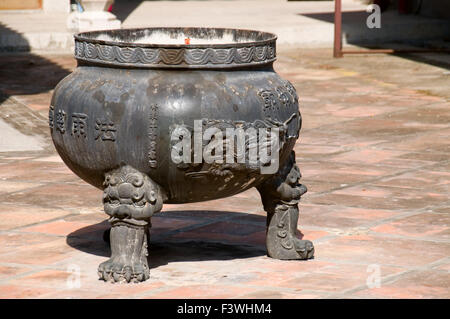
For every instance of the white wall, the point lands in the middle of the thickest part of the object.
(56, 6)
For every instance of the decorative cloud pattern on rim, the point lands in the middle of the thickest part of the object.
(156, 57)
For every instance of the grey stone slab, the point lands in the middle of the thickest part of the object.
(11, 140)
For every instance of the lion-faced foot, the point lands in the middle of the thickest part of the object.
(117, 269)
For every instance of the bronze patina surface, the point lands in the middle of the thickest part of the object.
(112, 121)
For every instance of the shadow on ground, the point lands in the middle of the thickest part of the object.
(23, 72)
(355, 32)
(163, 249)
(123, 8)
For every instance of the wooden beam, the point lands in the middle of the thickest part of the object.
(337, 50)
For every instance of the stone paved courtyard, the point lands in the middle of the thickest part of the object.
(374, 154)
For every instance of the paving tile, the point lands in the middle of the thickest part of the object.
(375, 197)
(52, 279)
(315, 121)
(337, 138)
(37, 102)
(416, 285)
(255, 238)
(276, 294)
(335, 278)
(9, 159)
(432, 115)
(425, 156)
(195, 210)
(369, 190)
(101, 290)
(59, 227)
(427, 225)
(228, 228)
(382, 126)
(11, 186)
(367, 156)
(51, 195)
(202, 291)
(363, 111)
(426, 142)
(75, 294)
(35, 172)
(341, 217)
(197, 262)
(14, 216)
(371, 249)
(440, 167)
(373, 154)
(13, 241)
(134, 290)
(342, 173)
(319, 186)
(162, 224)
(6, 272)
(255, 218)
(45, 253)
(403, 162)
(243, 204)
(77, 280)
(53, 159)
(444, 266)
(22, 292)
(316, 151)
(418, 179)
(90, 216)
(290, 267)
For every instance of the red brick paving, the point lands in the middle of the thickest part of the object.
(375, 158)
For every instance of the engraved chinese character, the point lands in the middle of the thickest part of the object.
(153, 135)
(51, 113)
(79, 124)
(61, 121)
(105, 130)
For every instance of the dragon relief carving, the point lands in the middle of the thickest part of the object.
(282, 97)
(241, 163)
